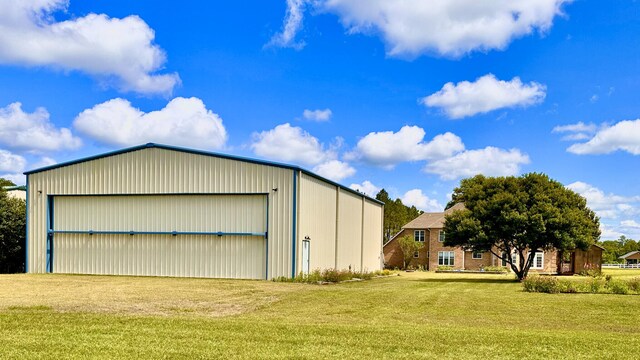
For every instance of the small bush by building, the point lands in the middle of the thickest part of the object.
(333, 276)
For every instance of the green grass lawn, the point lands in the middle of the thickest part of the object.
(414, 315)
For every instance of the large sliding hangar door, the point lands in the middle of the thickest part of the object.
(222, 236)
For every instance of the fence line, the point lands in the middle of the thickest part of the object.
(621, 266)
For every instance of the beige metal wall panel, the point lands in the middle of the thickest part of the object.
(18, 194)
(162, 171)
(317, 220)
(349, 231)
(161, 255)
(192, 213)
(372, 236)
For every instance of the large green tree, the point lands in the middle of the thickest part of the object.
(12, 233)
(613, 249)
(519, 215)
(4, 182)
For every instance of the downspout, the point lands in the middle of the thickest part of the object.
(337, 223)
(294, 224)
(382, 237)
(26, 237)
(362, 237)
(429, 250)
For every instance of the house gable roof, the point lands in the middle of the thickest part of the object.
(628, 254)
(432, 220)
(204, 153)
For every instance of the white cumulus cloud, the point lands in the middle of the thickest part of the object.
(291, 26)
(367, 188)
(119, 51)
(623, 136)
(421, 201)
(485, 94)
(606, 205)
(630, 224)
(291, 144)
(335, 170)
(317, 115)
(489, 161)
(387, 148)
(33, 131)
(10, 162)
(611, 208)
(184, 122)
(444, 27)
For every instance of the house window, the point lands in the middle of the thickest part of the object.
(514, 259)
(445, 258)
(538, 261)
(418, 235)
(476, 255)
(416, 254)
(441, 236)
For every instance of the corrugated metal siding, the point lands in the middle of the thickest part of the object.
(161, 171)
(193, 213)
(318, 221)
(161, 255)
(349, 231)
(372, 239)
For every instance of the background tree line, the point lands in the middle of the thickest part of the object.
(613, 249)
(396, 214)
(13, 220)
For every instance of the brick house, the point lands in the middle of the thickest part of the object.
(428, 228)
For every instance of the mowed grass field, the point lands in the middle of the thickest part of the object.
(414, 315)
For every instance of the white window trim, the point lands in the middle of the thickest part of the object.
(450, 258)
(473, 255)
(541, 254)
(440, 239)
(416, 254)
(416, 232)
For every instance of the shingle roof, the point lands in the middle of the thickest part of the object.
(628, 254)
(432, 220)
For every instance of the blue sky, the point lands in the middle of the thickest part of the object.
(409, 96)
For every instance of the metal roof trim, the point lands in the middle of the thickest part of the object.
(198, 152)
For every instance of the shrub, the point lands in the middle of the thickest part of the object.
(332, 276)
(596, 285)
(618, 287)
(568, 287)
(634, 284)
(543, 284)
(445, 268)
(385, 272)
(502, 269)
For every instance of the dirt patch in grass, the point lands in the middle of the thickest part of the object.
(137, 295)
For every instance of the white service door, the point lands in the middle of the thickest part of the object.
(239, 252)
(306, 252)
